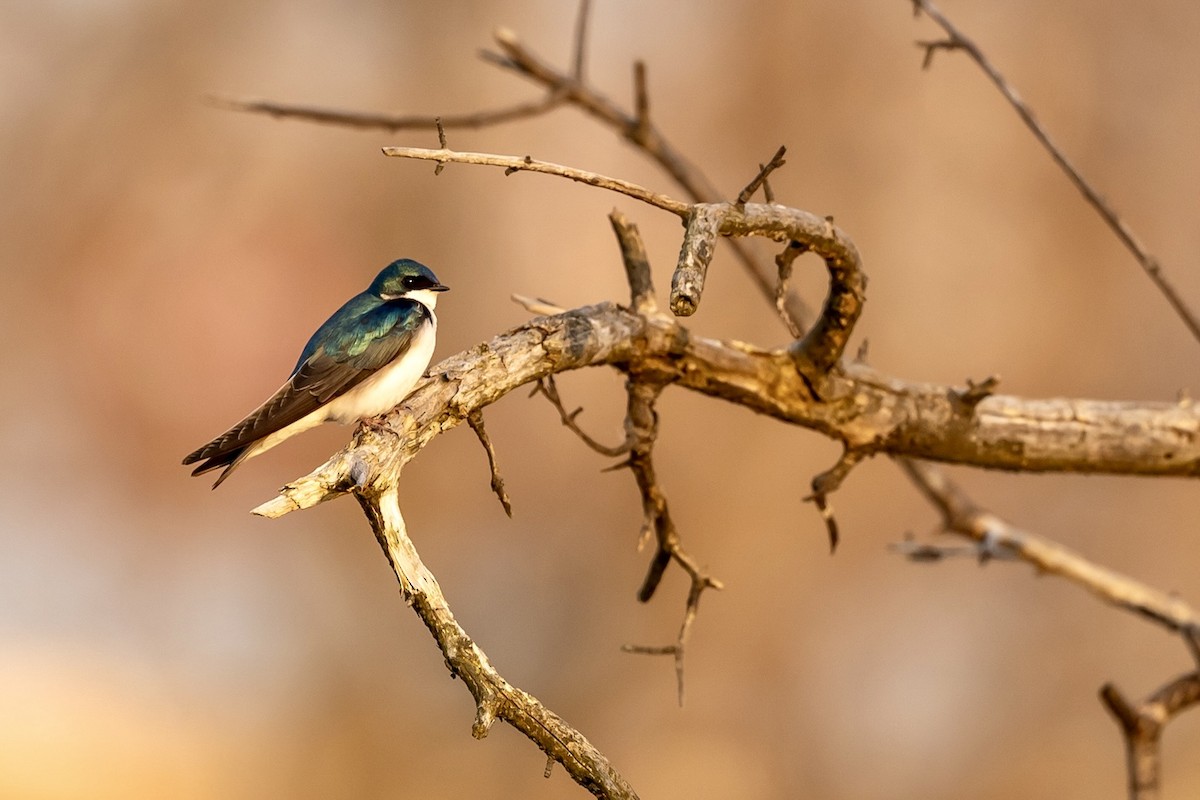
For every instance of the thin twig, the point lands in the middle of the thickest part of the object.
(641, 102)
(642, 429)
(1149, 264)
(637, 265)
(475, 420)
(527, 164)
(785, 262)
(760, 179)
(549, 389)
(829, 482)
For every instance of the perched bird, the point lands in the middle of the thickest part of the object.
(363, 361)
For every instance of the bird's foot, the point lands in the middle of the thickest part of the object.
(377, 425)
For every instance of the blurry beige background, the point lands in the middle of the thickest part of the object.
(164, 261)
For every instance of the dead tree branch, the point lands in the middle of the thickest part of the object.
(808, 385)
(957, 40)
(864, 407)
(960, 515)
(495, 698)
(1142, 726)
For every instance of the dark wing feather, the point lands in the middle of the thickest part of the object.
(341, 354)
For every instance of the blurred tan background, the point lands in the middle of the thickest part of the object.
(164, 261)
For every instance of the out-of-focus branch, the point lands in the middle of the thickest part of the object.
(1142, 726)
(347, 118)
(957, 40)
(960, 515)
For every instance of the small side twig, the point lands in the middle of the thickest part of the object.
(641, 103)
(785, 262)
(637, 264)
(441, 132)
(581, 23)
(642, 424)
(549, 389)
(829, 482)
(475, 420)
(977, 391)
(699, 582)
(760, 179)
(527, 164)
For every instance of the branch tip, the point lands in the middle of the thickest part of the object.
(760, 179)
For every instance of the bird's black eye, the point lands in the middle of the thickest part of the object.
(411, 281)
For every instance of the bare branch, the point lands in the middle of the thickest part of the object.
(785, 261)
(495, 698)
(527, 164)
(1142, 727)
(641, 423)
(387, 122)
(475, 420)
(548, 389)
(1148, 263)
(829, 482)
(961, 516)
(862, 408)
(695, 254)
(760, 179)
(635, 126)
(637, 265)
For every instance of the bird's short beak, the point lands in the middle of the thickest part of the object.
(441, 287)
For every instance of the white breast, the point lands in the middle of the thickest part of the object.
(389, 385)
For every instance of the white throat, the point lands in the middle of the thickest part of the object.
(425, 297)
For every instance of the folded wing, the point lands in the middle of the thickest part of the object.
(340, 356)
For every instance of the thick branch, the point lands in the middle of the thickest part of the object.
(860, 407)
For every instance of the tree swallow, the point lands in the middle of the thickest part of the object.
(363, 361)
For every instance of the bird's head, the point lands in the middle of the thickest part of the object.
(407, 278)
